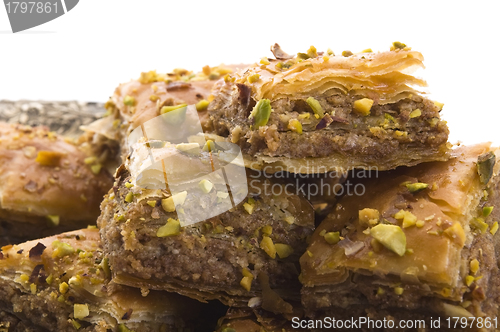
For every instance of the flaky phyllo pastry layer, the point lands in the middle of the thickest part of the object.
(48, 183)
(319, 111)
(63, 283)
(421, 238)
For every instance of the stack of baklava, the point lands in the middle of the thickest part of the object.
(297, 191)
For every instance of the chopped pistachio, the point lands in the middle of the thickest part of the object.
(49, 158)
(105, 267)
(166, 109)
(209, 146)
(416, 187)
(205, 186)
(363, 106)
(267, 230)
(33, 288)
(90, 160)
(75, 324)
(53, 220)
(63, 287)
(268, 246)
(295, 125)
(303, 56)
(380, 291)
(494, 228)
(123, 328)
(446, 292)
(246, 273)
(49, 279)
(316, 106)
(151, 203)
(346, 53)
(469, 280)
(330, 52)
(487, 211)
(479, 224)
(485, 164)
(169, 203)
(96, 169)
(154, 98)
(24, 277)
(391, 236)
(213, 76)
(253, 78)
(420, 223)
(312, 52)
(171, 228)
(332, 237)
(190, 148)
(438, 105)
(398, 290)
(283, 250)
(368, 216)
(474, 266)
(248, 207)
(128, 185)
(129, 197)
(261, 113)
(61, 249)
(264, 61)
(202, 105)
(290, 220)
(304, 116)
(80, 311)
(409, 219)
(368, 50)
(246, 283)
(398, 45)
(415, 114)
(129, 100)
(323, 232)
(456, 233)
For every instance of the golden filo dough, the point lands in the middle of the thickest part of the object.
(48, 184)
(417, 243)
(63, 283)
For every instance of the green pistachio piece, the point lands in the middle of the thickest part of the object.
(479, 224)
(316, 106)
(171, 228)
(261, 113)
(487, 211)
(485, 164)
(332, 237)
(391, 236)
(399, 45)
(416, 187)
(303, 56)
(129, 101)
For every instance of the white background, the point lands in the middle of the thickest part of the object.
(86, 53)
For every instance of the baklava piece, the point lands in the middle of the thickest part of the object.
(316, 112)
(63, 283)
(140, 100)
(48, 184)
(248, 249)
(415, 243)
